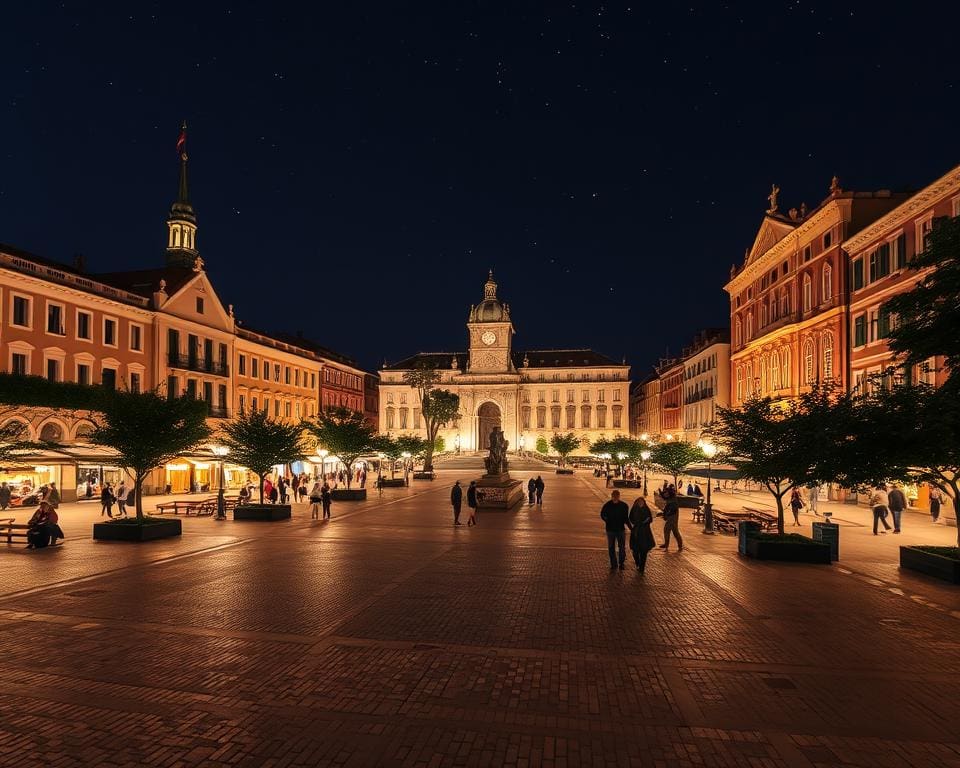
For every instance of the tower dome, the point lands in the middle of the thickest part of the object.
(490, 310)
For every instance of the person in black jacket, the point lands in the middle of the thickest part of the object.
(531, 490)
(898, 503)
(538, 486)
(641, 537)
(615, 516)
(472, 503)
(456, 499)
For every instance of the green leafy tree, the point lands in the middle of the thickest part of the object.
(907, 433)
(674, 456)
(390, 449)
(780, 448)
(437, 406)
(259, 443)
(344, 433)
(439, 445)
(617, 446)
(542, 446)
(929, 315)
(564, 445)
(148, 430)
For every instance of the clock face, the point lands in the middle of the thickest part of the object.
(488, 337)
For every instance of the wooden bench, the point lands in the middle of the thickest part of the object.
(9, 528)
(188, 507)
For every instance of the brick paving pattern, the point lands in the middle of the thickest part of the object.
(387, 637)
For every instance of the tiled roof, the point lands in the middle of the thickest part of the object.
(537, 358)
(147, 281)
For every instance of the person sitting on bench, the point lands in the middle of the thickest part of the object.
(44, 528)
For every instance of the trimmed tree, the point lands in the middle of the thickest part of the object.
(629, 447)
(542, 446)
(909, 433)
(673, 457)
(258, 443)
(437, 406)
(148, 430)
(345, 433)
(564, 445)
(780, 448)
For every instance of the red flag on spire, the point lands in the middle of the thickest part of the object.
(182, 141)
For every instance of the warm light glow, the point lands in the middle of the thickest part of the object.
(708, 448)
(406, 454)
(645, 455)
(323, 453)
(178, 467)
(220, 450)
(621, 456)
(645, 437)
(669, 436)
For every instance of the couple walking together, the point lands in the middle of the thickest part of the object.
(638, 518)
(456, 501)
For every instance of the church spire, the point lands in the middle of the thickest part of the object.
(490, 287)
(182, 221)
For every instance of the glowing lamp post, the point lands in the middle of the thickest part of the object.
(709, 449)
(621, 456)
(220, 451)
(323, 453)
(645, 457)
(406, 467)
(456, 443)
(522, 440)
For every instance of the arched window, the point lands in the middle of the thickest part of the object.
(774, 377)
(785, 367)
(749, 325)
(827, 287)
(808, 370)
(784, 302)
(51, 433)
(585, 417)
(749, 380)
(763, 374)
(739, 384)
(739, 331)
(807, 292)
(827, 344)
(763, 314)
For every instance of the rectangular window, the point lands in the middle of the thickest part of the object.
(883, 323)
(541, 418)
(586, 396)
(555, 417)
(254, 368)
(84, 325)
(286, 409)
(21, 312)
(570, 395)
(601, 417)
(883, 260)
(109, 332)
(276, 372)
(313, 381)
(108, 378)
(136, 337)
(276, 408)
(827, 239)
(242, 365)
(857, 277)
(525, 417)
(222, 396)
(223, 358)
(55, 319)
(253, 405)
(600, 396)
(555, 396)
(173, 387)
(616, 395)
(134, 382)
(296, 377)
(208, 354)
(199, 305)
(541, 396)
(83, 373)
(286, 374)
(617, 417)
(53, 370)
(208, 392)
(900, 246)
(192, 389)
(860, 331)
(807, 254)
(266, 370)
(18, 364)
(173, 346)
(242, 403)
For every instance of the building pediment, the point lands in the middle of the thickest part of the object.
(772, 230)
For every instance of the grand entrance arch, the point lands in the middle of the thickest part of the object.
(488, 417)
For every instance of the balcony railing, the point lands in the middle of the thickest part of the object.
(198, 364)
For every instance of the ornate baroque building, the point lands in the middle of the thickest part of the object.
(788, 301)
(529, 394)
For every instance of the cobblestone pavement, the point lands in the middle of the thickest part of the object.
(390, 637)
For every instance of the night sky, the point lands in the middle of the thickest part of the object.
(357, 167)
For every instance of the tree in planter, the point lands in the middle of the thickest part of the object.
(259, 443)
(780, 448)
(674, 457)
(148, 430)
(909, 433)
(345, 433)
(928, 316)
(542, 446)
(615, 446)
(415, 446)
(564, 445)
(437, 406)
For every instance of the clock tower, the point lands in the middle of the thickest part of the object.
(491, 333)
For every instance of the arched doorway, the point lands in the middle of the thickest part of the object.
(488, 417)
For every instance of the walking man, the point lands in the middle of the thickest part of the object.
(53, 496)
(122, 499)
(880, 502)
(538, 487)
(813, 494)
(456, 498)
(531, 490)
(615, 516)
(472, 503)
(671, 519)
(898, 503)
(5, 496)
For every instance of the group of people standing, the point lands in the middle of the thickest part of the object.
(109, 497)
(456, 501)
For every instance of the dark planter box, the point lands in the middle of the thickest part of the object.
(163, 529)
(396, 482)
(564, 471)
(762, 548)
(262, 512)
(423, 475)
(626, 483)
(351, 494)
(931, 564)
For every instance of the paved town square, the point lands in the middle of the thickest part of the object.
(389, 637)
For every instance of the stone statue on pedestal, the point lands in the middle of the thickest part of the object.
(496, 462)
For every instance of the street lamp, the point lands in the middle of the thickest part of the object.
(709, 449)
(323, 453)
(406, 467)
(621, 456)
(220, 451)
(456, 443)
(645, 457)
(522, 440)
(645, 437)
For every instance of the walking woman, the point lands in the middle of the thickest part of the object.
(935, 501)
(325, 500)
(641, 535)
(795, 504)
(316, 497)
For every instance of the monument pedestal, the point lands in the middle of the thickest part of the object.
(498, 492)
